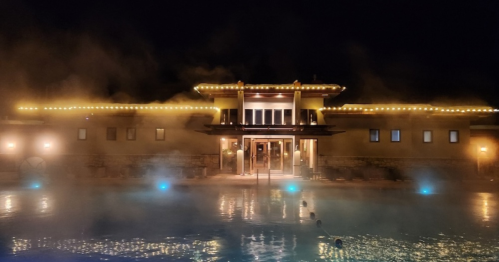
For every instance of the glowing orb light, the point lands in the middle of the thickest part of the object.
(35, 185)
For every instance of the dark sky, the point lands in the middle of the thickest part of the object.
(142, 51)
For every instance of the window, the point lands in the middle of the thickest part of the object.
(258, 117)
(454, 136)
(427, 136)
(288, 116)
(248, 116)
(131, 133)
(303, 116)
(228, 116)
(111, 133)
(268, 116)
(233, 117)
(395, 135)
(160, 134)
(277, 117)
(82, 134)
(307, 116)
(374, 135)
(224, 116)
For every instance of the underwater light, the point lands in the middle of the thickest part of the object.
(426, 190)
(292, 188)
(35, 185)
(163, 186)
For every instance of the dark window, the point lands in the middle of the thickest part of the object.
(258, 117)
(111, 133)
(131, 133)
(395, 135)
(277, 117)
(303, 116)
(160, 134)
(224, 116)
(288, 116)
(233, 117)
(248, 116)
(374, 135)
(454, 136)
(82, 134)
(427, 136)
(313, 116)
(268, 116)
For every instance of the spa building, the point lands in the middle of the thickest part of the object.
(242, 129)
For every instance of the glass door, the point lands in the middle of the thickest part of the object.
(275, 155)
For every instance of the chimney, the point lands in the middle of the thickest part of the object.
(296, 83)
(240, 83)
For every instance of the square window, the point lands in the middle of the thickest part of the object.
(453, 136)
(427, 136)
(160, 134)
(131, 133)
(395, 135)
(82, 134)
(111, 133)
(374, 135)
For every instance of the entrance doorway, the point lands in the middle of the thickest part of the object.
(268, 154)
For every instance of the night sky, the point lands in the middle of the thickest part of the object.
(440, 52)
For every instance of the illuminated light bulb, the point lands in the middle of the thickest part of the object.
(355, 109)
(329, 108)
(403, 108)
(30, 108)
(467, 110)
(334, 108)
(458, 110)
(45, 108)
(431, 109)
(50, 108)
(479, 110)
(382, 108)
(334, 87)
(360, 108)
(398, 108)
(426, 109)
(21, 108)
(11, 145)
(371, 109)
(387, 108)
(376, 108)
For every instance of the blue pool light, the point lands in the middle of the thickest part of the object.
(292, 188)
(163, 186)
(425, 190)
(35, 185)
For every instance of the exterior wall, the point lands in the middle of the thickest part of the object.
(355, 141)
(353, 150)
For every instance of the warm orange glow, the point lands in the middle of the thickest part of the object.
(11, 145)
(47, 145)
(483, 149)
(414, 108)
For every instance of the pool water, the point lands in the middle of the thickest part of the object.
(208, 223)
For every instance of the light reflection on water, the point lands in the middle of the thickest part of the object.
(248, 224)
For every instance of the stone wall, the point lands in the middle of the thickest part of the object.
(396, 168)
(133, 165)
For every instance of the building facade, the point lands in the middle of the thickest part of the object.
(245, 129)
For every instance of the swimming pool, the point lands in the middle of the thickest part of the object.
(246, 223)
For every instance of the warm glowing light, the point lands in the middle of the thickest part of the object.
(11, 145)
(483, 149)
(47, 145)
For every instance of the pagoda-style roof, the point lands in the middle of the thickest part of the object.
(237, 130)
(269, 90)
(397, 109)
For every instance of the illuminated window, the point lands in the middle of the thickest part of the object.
(131, 133)
(374, 135)
(454, 136)
(427, 136)
(160, 134)
(111, 133)
(82, 134)
(395, 135)
(228, 116)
